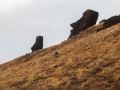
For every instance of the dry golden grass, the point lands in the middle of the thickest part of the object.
(87, 61)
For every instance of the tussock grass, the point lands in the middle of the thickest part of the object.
(89, 60)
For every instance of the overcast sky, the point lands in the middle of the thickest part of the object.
(22, 20)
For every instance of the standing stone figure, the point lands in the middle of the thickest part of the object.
(38, 44)
(88, 19)
(110, 22)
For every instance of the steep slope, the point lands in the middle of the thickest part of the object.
(87, 61)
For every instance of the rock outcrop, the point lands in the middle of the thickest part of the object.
(38, 44)
(110, 22)
(88, 19)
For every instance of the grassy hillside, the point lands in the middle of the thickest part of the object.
(87, 61)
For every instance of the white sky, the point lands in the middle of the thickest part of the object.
(22, 20)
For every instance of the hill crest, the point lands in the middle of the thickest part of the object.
(87, 61)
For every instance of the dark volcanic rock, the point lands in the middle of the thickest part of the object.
(110, 22)
(88, 19)
(38, 44)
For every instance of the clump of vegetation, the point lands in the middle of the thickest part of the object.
(17, 61)
(3, 69)
(43, 54)
(110, 39)
(56, 54)
(117, 77)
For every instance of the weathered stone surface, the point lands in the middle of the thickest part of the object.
(110, 22)
(88, 19)
(38, 44)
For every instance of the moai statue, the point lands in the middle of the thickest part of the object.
(38, 44)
